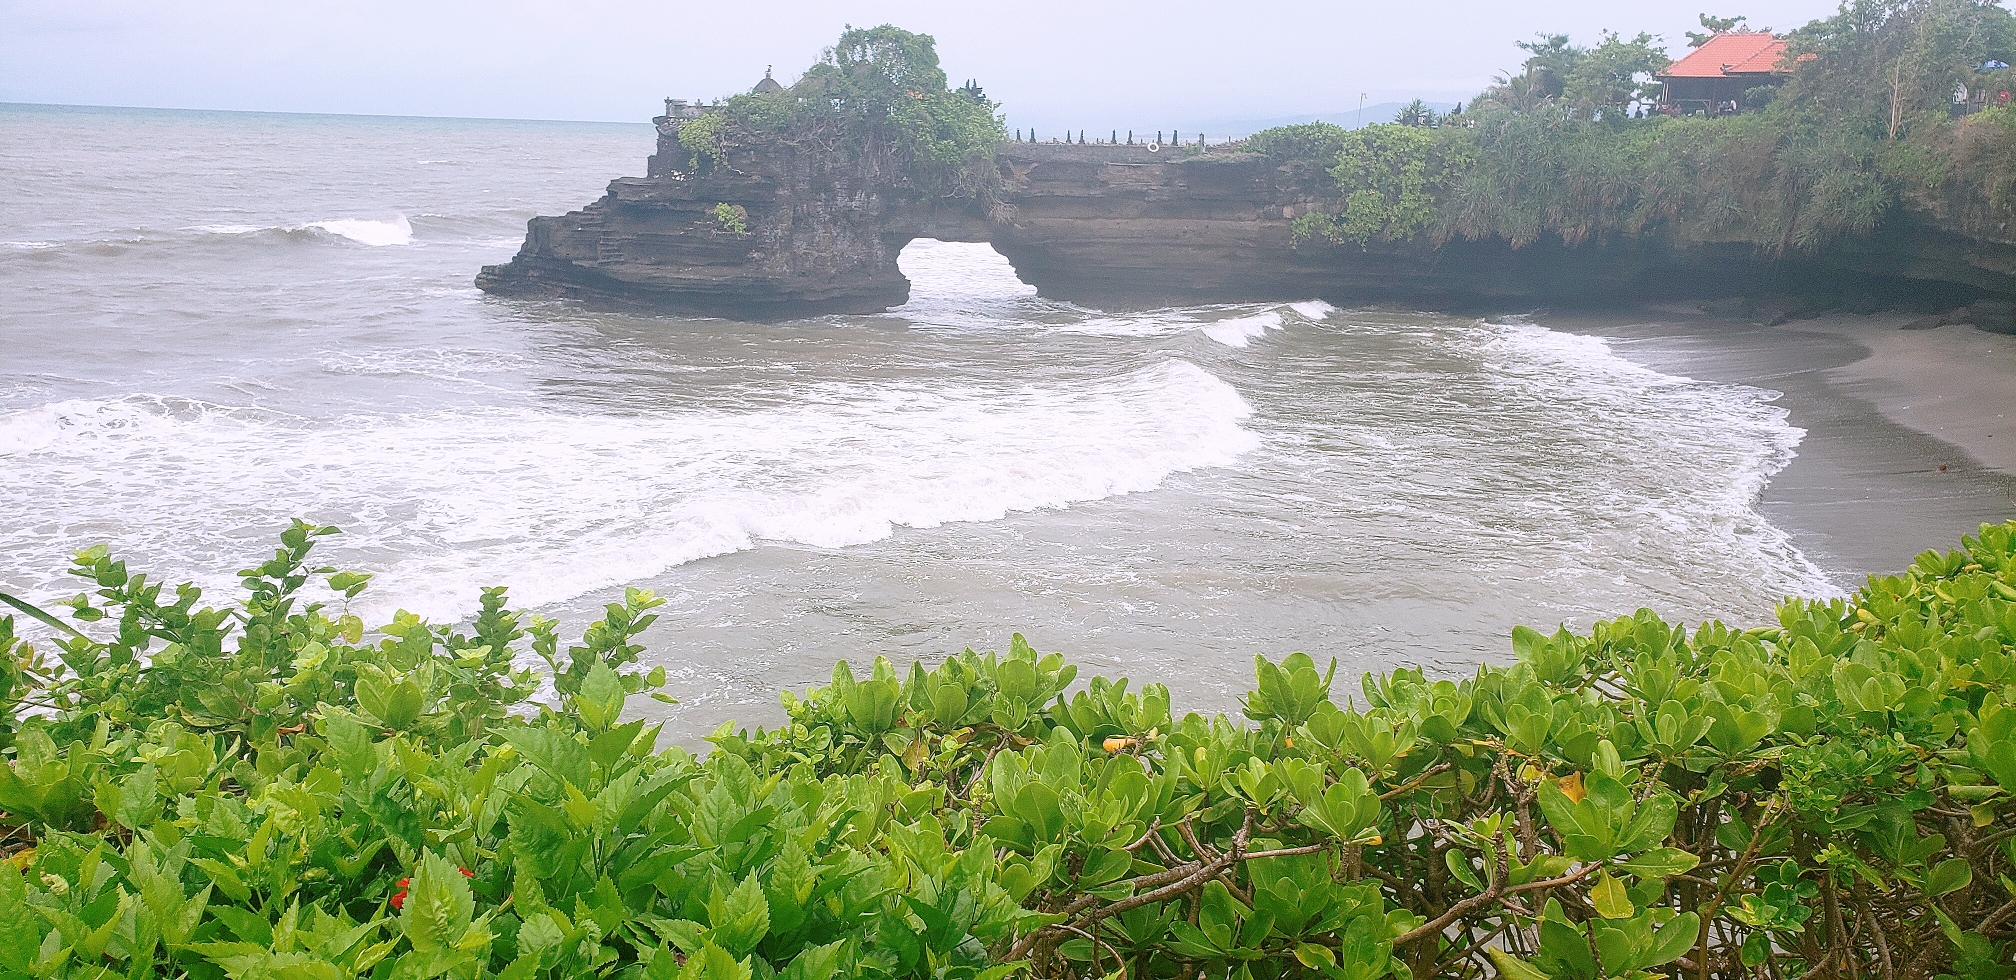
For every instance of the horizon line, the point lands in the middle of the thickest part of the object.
(299, 112)
(1217, 123)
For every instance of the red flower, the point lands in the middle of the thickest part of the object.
(399, 900)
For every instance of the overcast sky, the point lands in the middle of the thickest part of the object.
(1081, 63)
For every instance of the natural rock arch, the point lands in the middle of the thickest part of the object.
(792, 231)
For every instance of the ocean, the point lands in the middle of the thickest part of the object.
(214, 323)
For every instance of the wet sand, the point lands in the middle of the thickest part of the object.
(1907, 446)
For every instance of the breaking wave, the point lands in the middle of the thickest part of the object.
(558, 503)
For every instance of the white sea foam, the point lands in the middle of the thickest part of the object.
(558, 503)
(29, 246)
(364, 231)
(1242, 330)
(1313, 309)
(432, 362)
(1686, 460)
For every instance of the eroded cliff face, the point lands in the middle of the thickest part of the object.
(789, 231)
(1121, 225)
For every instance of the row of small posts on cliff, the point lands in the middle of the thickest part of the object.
(1175, 138)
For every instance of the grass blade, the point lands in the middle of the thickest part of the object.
(37, 612)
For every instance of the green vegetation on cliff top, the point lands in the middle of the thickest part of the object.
(267, 789)
(877, 90)
(1861, 127)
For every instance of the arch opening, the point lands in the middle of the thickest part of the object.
(964, 274)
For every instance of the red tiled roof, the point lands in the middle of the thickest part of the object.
(1736, 53)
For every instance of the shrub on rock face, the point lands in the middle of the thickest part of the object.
(264, 789)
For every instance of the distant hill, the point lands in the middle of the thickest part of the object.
(1347, 118)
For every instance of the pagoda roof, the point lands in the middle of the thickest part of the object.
(1732, 53)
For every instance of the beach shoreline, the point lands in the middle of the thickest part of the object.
(1907, 439)
(1954, 383)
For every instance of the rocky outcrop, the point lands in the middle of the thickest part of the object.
(791, 230)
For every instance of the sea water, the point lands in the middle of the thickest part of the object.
(213, 323)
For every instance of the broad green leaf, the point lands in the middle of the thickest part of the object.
(1948, 876)
(1314, 956)
(1609, 898)
(1661, 862)
(1512, 969)
(601, 699)
(438, 907)
(1672, 940)
(738, 920)
(714, 963)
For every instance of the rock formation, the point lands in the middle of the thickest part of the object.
(791, 230)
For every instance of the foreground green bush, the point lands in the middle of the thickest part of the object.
(267, 790)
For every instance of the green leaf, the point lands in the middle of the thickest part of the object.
(1610, 900)
(1038, 806)
(1459, 865)
(40, 616)
(1672, 940)
(739, 919)
(815, 963)
(1663, 862)
(611, 746)
(1314, 956)
(1948, 877)
(349, 583)
(393, 704)
(438, 908)
(714, 963)
(350, 745)
(1582, 831)
(18, 935)
(600, 702)
(1948, 926)
(1512, 969)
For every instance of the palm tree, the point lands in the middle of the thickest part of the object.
(1415, 113)
(1518, 93)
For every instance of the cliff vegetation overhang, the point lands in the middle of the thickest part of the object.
(1843, 184)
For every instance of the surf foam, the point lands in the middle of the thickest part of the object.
(1243, 330)
(363, 231)
(1696, 455)
(557, 504)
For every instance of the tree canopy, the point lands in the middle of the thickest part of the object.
(1862, 123)
(876, 88)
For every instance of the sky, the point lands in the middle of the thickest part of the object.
(1091, 64)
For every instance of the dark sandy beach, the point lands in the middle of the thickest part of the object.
(1907, 446)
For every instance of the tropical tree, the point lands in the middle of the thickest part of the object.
(876, 89)
(1551, 61)
(1890, 64)
(1715, 25)
(1415, 113)
(1608, 78)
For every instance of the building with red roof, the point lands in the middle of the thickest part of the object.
(1715, 76)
